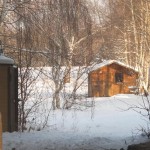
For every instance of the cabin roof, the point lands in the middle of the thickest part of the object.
(109, 62)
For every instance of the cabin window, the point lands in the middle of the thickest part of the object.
(118, 77)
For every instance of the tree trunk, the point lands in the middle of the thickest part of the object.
(57, 101)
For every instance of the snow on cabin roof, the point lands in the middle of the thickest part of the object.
(5, 60)
(109, 62)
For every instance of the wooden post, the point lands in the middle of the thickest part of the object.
(0, 132)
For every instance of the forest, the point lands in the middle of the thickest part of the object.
(76, 32)
(68, 33)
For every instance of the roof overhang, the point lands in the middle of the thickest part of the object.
(109, 62)
(6, 60)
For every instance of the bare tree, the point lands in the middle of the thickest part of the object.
(128, 25)
(71, 28)
(56, 33)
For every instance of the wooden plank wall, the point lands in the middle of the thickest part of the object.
(4, 96)
(0, 132)
(102, 81)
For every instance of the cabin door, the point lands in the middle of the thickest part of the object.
(13, 99)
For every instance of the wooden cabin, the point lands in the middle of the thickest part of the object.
(110, 78)
(8, 94)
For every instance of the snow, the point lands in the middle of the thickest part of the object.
(109, 62)
(107, 125)
(5, 60)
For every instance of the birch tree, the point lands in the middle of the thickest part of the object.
(131, 31)
(71, 28)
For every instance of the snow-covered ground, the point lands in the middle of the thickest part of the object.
(107, 125)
